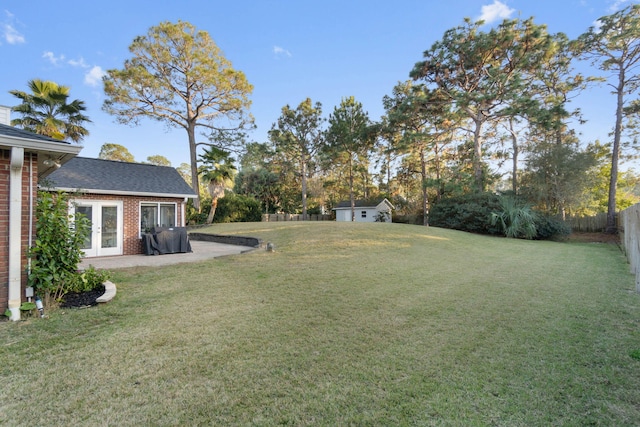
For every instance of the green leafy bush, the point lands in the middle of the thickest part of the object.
(237, 208)
(551, 228)
(57, 249)
(515, 218)
(88, 280)
(470, 212)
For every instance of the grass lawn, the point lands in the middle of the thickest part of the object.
(344, 324)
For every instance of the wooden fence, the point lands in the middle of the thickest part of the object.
(629, 228)
(294, 217)
(588, 224)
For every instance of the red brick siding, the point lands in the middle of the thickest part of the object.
(5, 165)
(132, 244)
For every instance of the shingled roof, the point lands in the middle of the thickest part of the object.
(112, 177)
(14, 132)
(362, 204)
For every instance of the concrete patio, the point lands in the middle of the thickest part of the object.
(202, 250)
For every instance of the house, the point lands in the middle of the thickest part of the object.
(122, 200)
(365, 211)
(25, 158)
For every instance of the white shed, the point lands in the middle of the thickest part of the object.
(365, 211)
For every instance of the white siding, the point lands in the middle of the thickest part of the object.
(5, 115)
(362, 214)
(366, 213)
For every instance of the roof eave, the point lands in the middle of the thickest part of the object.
(59, 152)
(37, 145)
(124, 193)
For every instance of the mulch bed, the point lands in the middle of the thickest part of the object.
(613, 239)
(82, 299)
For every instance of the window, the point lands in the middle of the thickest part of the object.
(157, 215)
(363, 214)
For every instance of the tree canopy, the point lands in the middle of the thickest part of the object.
(614, 47)
(298, 135)
(117, 152)
(217, 172)
(45, 111)
(179, 76)
(481, 73)
(158, 160)
(348, 140)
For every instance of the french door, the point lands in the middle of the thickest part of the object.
(106, 227)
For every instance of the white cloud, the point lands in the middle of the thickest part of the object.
(11, 35)
(597, 25)
(493, 12)
(616, 5)
(94, 76)
(281, 52)
(8, 30)
(55, 60)
(78, 63)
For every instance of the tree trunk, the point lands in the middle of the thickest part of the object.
(303, 169)
(436, 162)
(615, 155)
(477, 153)
(351, 196)
(212, 212)
(425, 195)
(514, 144)
(191, 131)
(389, 174)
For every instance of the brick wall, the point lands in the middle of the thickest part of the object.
(5, 164)
(132, 244)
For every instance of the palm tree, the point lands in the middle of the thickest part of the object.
(45, 111)
(217, 172)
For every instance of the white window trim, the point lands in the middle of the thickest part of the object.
(158, 204)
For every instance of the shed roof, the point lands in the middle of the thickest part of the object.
(113, 177)
(363, 204)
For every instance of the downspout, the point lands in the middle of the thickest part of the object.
(30, 237)
(15, 231)
(183, 210)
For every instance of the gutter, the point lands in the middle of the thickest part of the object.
(70, 190)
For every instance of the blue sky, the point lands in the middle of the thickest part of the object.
(288, 49)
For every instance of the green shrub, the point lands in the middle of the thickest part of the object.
(57, 248)
(88, 280)
(551, 228)
(470, 212)
(237, 208)
(515, 218)
(193, 217)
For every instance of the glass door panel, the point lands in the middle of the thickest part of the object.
(87, 212)
(109, 227)
(106, 227)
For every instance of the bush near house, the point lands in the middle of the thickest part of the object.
(56, 252)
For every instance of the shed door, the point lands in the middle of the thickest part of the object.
(106, 227)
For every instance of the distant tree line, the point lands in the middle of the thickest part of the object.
(478, 102)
